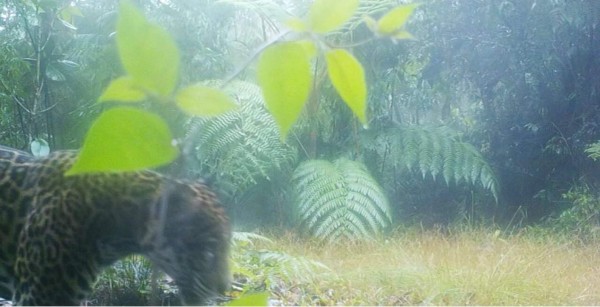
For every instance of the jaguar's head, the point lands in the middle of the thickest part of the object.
(193, 246)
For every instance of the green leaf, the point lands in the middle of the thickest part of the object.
(122, 89)
(395, 19)
(296, 24)
(200, 100)
(402, 35)
(148, 52)
(309, 47)
(285, 79)
(327, 15)
(66, 14)
(125, 139)
(254, 299)
(348, 78)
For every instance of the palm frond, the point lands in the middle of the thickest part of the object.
(339, 200)
(242, 146)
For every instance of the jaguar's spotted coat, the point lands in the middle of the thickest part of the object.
(57, 232)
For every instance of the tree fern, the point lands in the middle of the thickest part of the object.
(437, 152)
(242, 146)
(339, 199)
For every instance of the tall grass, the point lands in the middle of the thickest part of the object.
(470, 266)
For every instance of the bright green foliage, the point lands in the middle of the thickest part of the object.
(202, 100)
(125, 139)
(285, 78)
(269, 268)
(147, 52)
(284, 70)
(348, 78)
(392, 23)
(340, 200)
(122, 89)
(593, 151)
(254, 299)
(296, 24)
(440, 153)
(328, 15)
(151, 60)
(241, 146)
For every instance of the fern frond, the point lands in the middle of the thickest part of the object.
(339, 200)
(247, 238)
(593, 151)
(267, 267)
(291, 268)
(242, 146)
(439, 152)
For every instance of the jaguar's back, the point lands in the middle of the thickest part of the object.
(57, 232)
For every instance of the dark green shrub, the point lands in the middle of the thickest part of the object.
(583, 217)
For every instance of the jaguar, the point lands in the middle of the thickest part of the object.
(58, 232)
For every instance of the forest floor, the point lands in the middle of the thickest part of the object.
(472, 267)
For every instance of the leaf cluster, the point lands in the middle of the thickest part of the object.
(126, 138)
(286, 95)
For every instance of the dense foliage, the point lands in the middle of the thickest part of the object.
(491, 113)
(517, 79)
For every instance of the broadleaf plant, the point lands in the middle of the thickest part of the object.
(116, 143)
(392, 23)
(328, 15)
(215, 102)
(348, 77)
(284, 71)
(285, 83)
(148, 53)
(125, 139)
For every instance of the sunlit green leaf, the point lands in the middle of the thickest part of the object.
(371, 23)
(201, 100)
(395, 19)
(328, 15)
(296, 24)
(285, 79)
(309, 47)
(125, 139)
(348, 78)
(68, 12)
(254, 299)
(148, 52)
(402, 35)
(122, 89)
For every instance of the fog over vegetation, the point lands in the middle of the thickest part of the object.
(482, 133)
